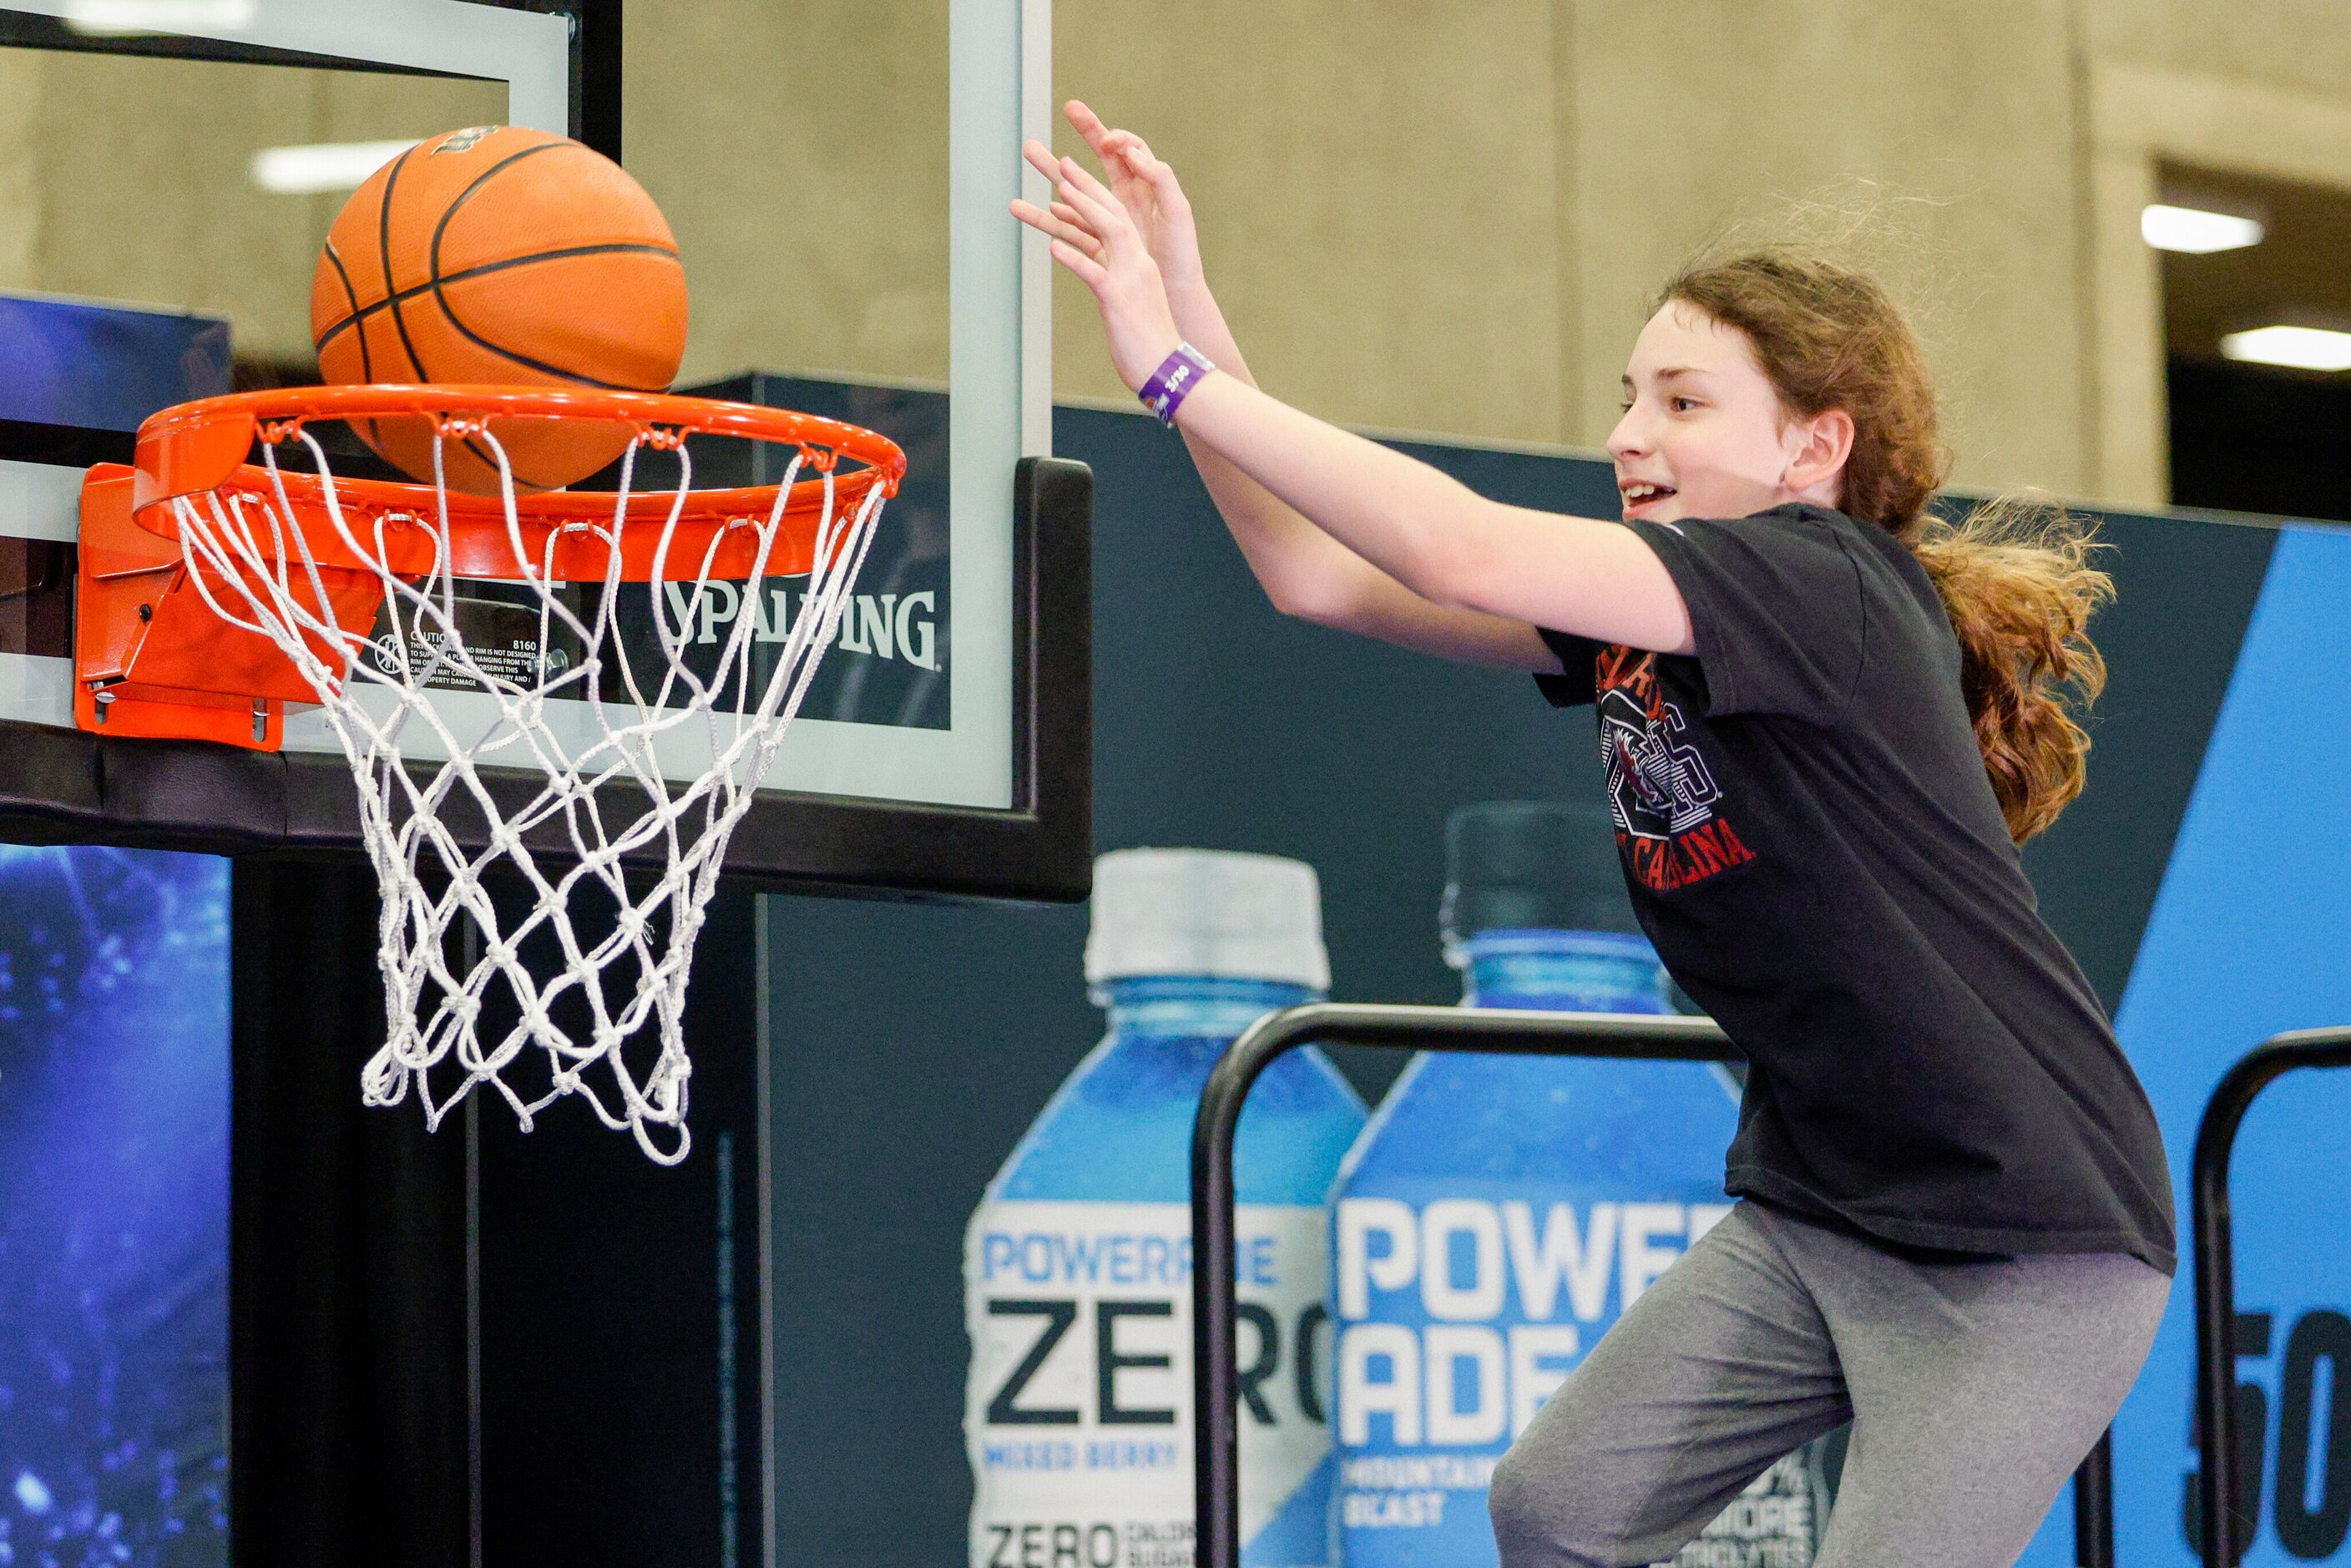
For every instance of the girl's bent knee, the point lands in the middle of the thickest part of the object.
(1543, 1515)
(1513, 1502)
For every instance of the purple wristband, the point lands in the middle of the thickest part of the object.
(1172, 381)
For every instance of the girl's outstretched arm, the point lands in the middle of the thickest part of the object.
(1434, 537)
(1305, 572)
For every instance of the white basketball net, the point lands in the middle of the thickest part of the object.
(443, 948)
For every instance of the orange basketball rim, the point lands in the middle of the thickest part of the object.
(153, 657)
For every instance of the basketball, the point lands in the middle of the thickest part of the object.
(500, 255)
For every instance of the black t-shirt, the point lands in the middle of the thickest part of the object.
(1813, 847)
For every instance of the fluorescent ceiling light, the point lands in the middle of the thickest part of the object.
(2298, 348)
(2194, 231)
(115, 17)
(322, 166)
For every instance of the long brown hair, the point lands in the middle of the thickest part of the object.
(2015, 573)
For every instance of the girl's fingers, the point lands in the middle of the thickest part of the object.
(1091, 198)
(1061, 225)
(1041, 158)
(1105, 217)
(1080, 183)
(1104, 141)
(1090, 272)
(1069, 214)
(1078, 174)
(1035, 217)
(1058, 169)
(1115, 148)
(1083, 120)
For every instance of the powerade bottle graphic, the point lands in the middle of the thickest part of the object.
(1497, 1213)
(1077, 1263)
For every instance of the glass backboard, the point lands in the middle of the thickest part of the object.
(175, 164)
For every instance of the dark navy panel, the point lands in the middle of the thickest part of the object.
(891, 666)
(620, 1334)
(2184, 591)
(911, 1049)
(1221, 722)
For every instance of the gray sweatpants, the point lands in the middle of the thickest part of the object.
(1974, 1388)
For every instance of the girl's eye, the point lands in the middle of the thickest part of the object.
(1683, 405)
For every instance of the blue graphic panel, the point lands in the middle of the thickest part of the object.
(2251, 936)
(114, 1113)
(70, 361)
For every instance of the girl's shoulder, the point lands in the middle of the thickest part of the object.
(1809, 518)
(1882, 559)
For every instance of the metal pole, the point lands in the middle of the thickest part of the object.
(1216, 1435)
(2215, 1265)
(2094, 1506)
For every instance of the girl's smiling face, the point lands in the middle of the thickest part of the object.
(1705, 433)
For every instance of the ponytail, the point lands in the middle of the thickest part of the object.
(2016, 581)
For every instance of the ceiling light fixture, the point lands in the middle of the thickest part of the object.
(2193, 231)
(2297, 347)
(117, 18)
(322, 166)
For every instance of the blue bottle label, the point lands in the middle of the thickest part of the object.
(1461, 1306)
(1078, 1414)
(1459, 1312)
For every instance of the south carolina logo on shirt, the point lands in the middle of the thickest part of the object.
(1663, 797)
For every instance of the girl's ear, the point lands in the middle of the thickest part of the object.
(1819, 448)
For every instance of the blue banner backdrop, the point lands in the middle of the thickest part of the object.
(114, 1113)
(2251, 934)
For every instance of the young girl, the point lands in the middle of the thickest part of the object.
(1827, 721)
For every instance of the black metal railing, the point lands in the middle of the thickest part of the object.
(1214, 1390)
(2216, 1484)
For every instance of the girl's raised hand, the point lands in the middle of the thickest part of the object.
(1147, 188)
(1095, 238)
(1062, 223)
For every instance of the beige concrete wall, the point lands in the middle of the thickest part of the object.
(1961, 114)
(2303, 44)
(1376, 190)
(144, 196)
(1381, 216)
(1439, 219)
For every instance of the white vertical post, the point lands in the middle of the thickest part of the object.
(998, 363)
(1036, 262)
